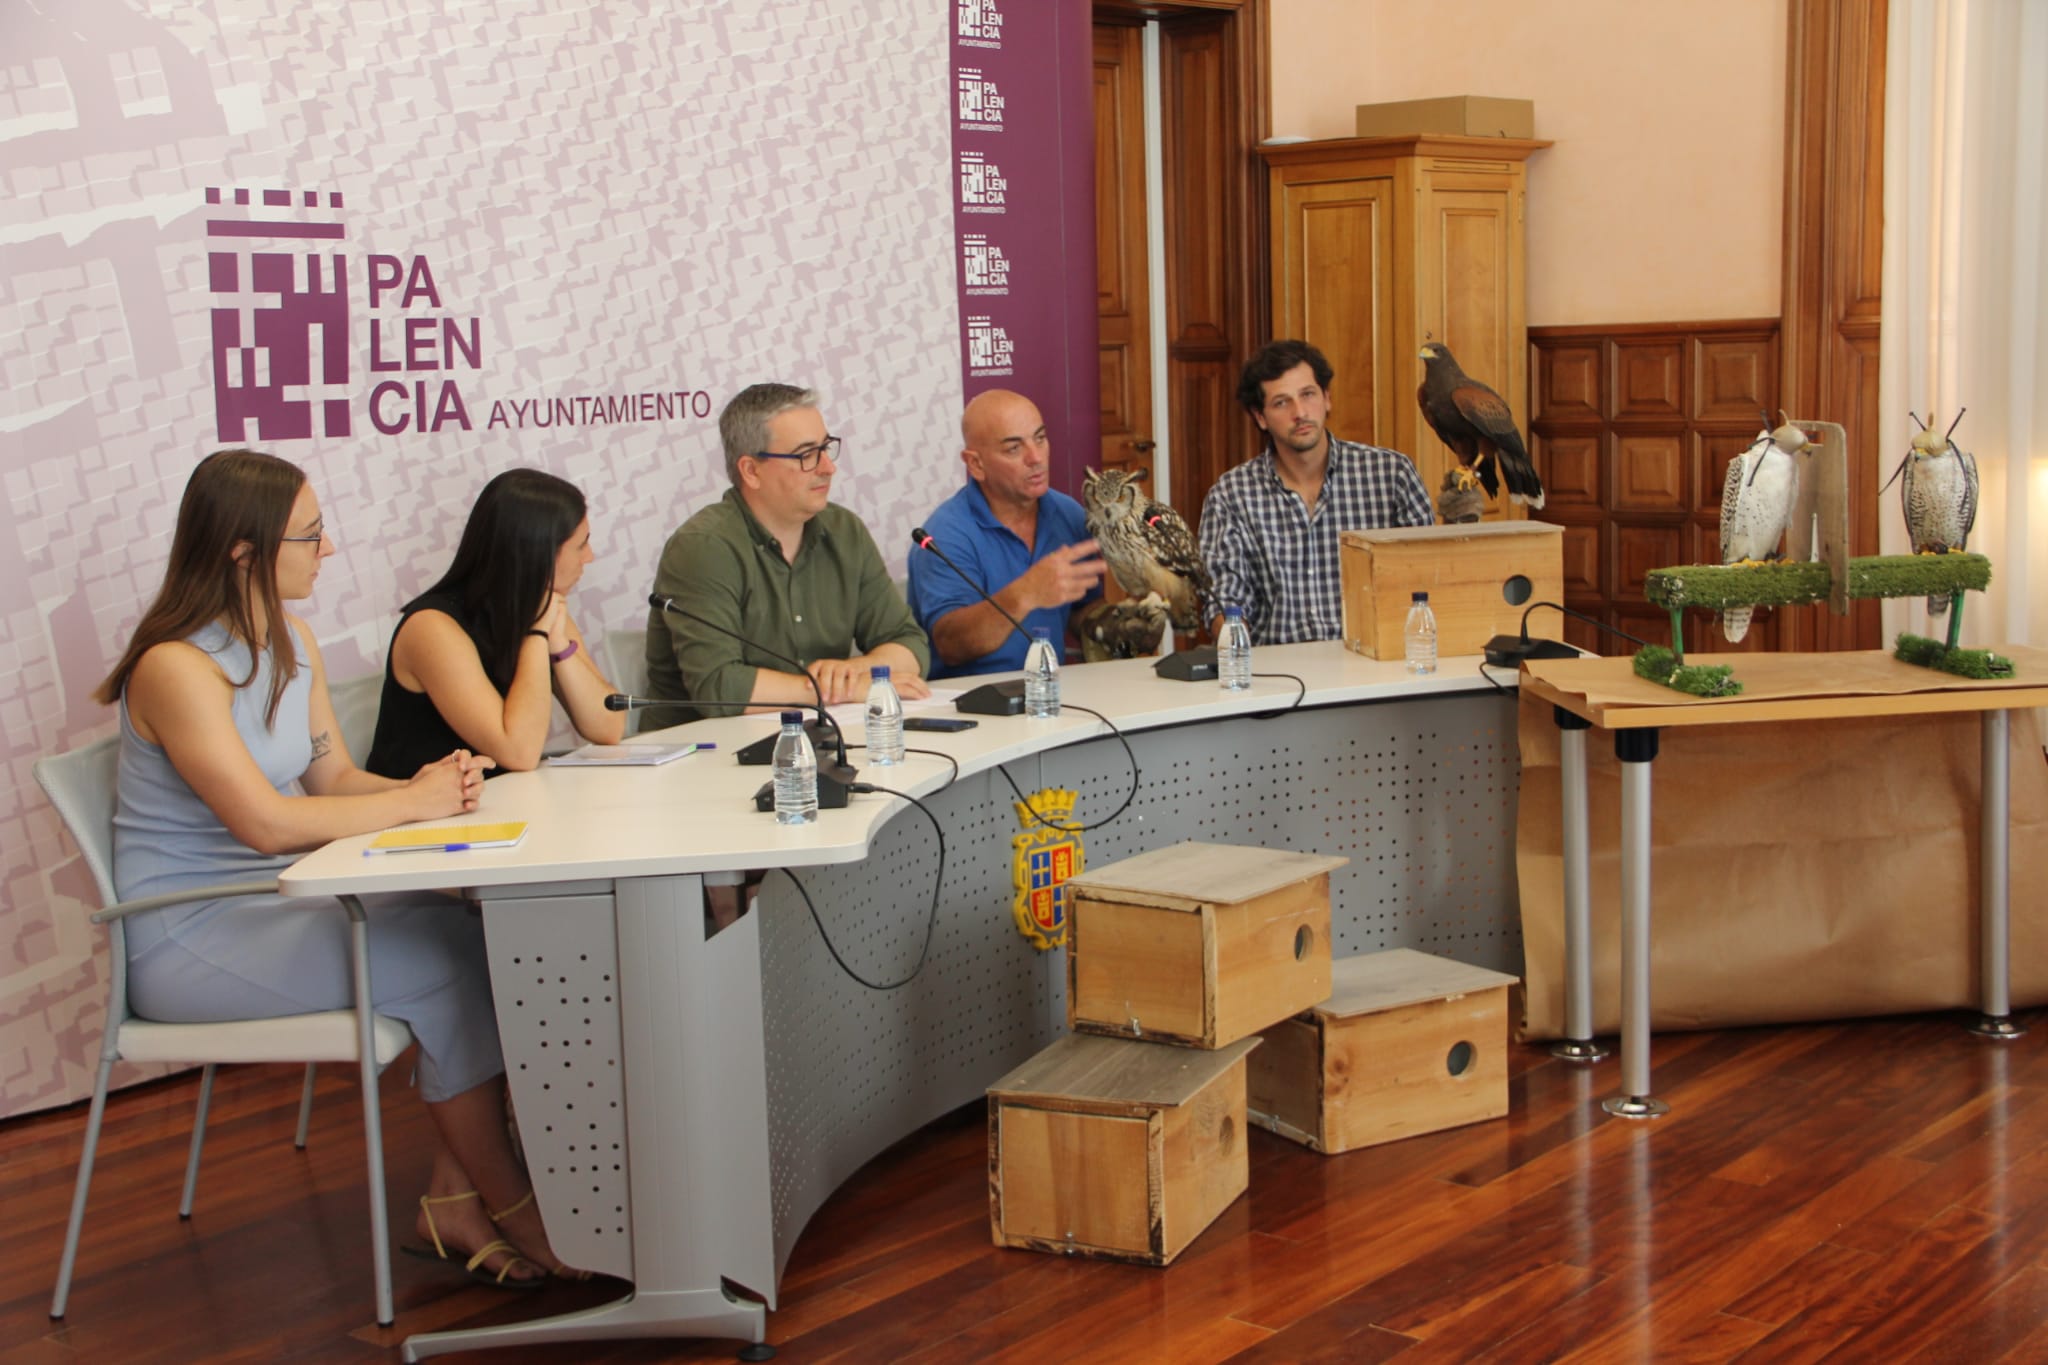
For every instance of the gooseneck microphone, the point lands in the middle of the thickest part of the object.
(922, 539)
(989, 699)
(843, 773)
(1509, 651)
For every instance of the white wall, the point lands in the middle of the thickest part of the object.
(1660, 201)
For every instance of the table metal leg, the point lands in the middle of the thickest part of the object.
(1636, 749)
(1577, 1045)
(696, 1133)
(1995, 871)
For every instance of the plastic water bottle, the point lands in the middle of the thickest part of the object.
(1419, 636)
(1234, 652)
(796, 773)
(1042, 677)
(885, 718)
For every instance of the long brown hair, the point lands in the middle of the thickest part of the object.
(233, 497)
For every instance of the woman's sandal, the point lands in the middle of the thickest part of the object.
(558, 1270)
(500, 1279)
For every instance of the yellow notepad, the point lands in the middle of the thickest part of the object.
(448, 838)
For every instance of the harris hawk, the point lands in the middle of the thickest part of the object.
(1475, 423)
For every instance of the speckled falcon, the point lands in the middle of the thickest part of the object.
(1939, 496)
(1756, 506)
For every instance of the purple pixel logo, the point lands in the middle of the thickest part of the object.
(280, 317)
(990, 352)
(982, 186)
(978, 23)
(281, 362)
(983, 264)
(980, 103)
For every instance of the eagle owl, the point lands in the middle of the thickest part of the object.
(1756, 506)
(1939, 495)
(1147, 545)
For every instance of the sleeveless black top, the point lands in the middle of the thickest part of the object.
(410, 730)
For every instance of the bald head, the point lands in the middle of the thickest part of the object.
(1005, 447)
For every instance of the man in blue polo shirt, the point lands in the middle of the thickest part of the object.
(1019, 539)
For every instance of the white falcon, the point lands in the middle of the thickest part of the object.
(1940, 497)
(1756, 506)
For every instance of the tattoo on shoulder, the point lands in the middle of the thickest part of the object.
(323, 744)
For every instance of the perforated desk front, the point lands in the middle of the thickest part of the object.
(688, 1101)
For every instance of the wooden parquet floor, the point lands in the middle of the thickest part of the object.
(1873, 1191)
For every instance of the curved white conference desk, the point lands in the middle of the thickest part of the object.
(687, 1100)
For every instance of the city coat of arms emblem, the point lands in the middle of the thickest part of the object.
(1047, 856)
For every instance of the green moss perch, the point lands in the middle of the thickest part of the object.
(1964, 663)
(1715, 587)
(1660, 665)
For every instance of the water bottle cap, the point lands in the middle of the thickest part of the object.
(792, 718)
(879, 672)
(1421, 597)
(1233, 613)
(1041, 633)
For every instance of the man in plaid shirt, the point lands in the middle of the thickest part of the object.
(1270, 526)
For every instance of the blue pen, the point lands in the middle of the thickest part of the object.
(454, 848)
(707, 746)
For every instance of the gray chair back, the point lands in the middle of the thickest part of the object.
(625, 663)
(80, 785)
(356, 701)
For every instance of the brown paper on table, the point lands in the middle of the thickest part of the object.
(1608, 682)
(1799, 870)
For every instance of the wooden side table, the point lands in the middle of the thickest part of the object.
(1592, 692)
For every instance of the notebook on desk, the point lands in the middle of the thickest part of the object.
(448, 838)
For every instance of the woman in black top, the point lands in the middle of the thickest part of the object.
(479, 658)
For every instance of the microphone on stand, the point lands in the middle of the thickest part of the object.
(762, 751)
(834, 776)
(989, 699)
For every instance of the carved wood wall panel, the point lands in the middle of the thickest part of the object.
(1632, 430)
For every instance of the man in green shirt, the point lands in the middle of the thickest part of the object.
(777, 562)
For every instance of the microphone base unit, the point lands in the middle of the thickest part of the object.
(831, 795)
(1188, 665)
(1508, 651)
(993, 699)
(759, 754)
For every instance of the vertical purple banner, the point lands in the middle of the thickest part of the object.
(1024, 214)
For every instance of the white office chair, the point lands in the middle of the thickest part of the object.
(356, 702)
(625, 663)
(80, 785)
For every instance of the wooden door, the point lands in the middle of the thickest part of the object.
(1334, 287)
(1122, 291)
(1469, 293)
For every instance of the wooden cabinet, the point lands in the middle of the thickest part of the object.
(1380, 244)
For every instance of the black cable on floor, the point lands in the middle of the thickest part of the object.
(931, 920)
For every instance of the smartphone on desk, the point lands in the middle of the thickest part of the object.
(945, 725)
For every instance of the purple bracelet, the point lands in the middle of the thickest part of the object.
(566, 652)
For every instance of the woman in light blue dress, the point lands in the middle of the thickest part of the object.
(231, 763)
